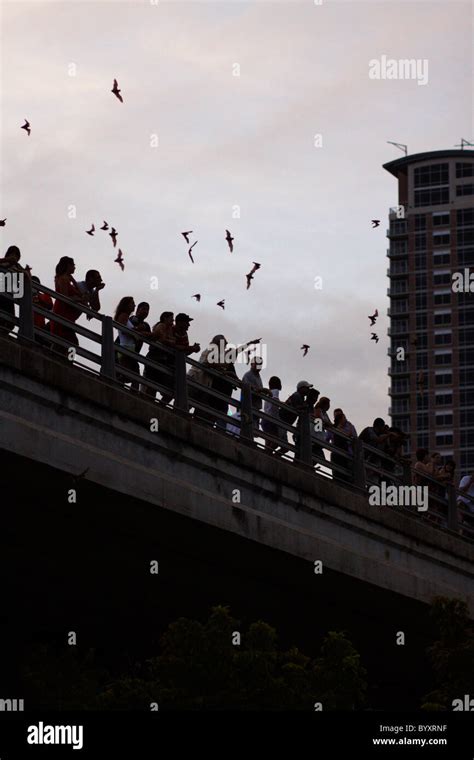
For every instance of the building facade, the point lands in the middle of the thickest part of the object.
(431, 318)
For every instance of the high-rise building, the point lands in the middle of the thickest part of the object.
(432, 239)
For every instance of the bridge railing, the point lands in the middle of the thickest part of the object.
(351, 462)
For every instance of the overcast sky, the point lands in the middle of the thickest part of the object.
(227, 141)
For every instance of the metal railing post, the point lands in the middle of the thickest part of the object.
(26, 327)
(181, 383)
(107, 364)
(358, 463)
(304, 449)
(407, 476)
(246, 413)
(452, 508)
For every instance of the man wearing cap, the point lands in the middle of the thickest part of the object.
(181, 343)
(297, 403)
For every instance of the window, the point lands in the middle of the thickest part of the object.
(421, 301)
(467, 437)
(441, 238)
(420, 222)
(464, 170)
(442, 317)
(420, 260)
(466, 337)
(442, 278)
(442, 297)
(421, 341)
(464, 190)
(401, 406)
(422, 441)
(443, 338)
(441, 219)
(466, 316)
(398, 227)
(443, 377)
(420, 281)
(467, 417)
(466, 357)
(435, 174)
(465, 236)
(445, 438)
(465, 217)
(434, 197)
(466, 256)
(422, 421)
(443, 357)
(444, 418)
(400, 386)
(443, 398)
(421, 321)
(421, 402)
(398, 286)
(421, 361)
(420, 242)
(398, 247)
(441, 257)
(399, 326)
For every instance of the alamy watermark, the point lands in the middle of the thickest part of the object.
(404, 68)
(234, 354)
(13, 283)
(12, 705)
(399, 496)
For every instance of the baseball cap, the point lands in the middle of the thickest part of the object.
(303, 384)
(183, 318)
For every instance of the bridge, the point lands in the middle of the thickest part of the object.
(99, 481)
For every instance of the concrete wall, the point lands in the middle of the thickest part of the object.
(59, 415)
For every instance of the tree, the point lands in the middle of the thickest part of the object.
(452, 653)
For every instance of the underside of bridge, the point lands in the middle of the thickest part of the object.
(85, 567)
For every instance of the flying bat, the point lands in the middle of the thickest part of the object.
(221, 303)
(249, 276)
(2, 222)
(375, 337)
(113, 234)
(373, 318)
(197, 296)
(185, 235)
(105, 226)
(119, 260)
(189, 252)
(91, 231)
(375, 222)
(230, 240)
(116, 91)
(26, 127)
(305, 348)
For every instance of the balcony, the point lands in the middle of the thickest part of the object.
(402, 330)
(397, 291)
(404, 391)
(397, 271)
(396, 254)
(398, 371)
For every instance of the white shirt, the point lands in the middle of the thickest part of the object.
(270, 408)
(233, 429)
(470, 492)
(126, 340)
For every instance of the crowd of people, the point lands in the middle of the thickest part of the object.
(213, 381)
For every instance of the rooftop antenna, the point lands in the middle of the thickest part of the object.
(463, 143)
(401, 146)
